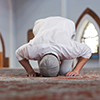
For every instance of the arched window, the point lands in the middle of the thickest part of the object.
(90, 37)
(4, 60)
(1, 56)
(88, 31)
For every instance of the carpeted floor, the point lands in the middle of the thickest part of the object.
(15, 86)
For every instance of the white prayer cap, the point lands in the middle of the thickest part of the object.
(49, 66)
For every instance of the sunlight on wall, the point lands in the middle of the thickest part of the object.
(90, 37)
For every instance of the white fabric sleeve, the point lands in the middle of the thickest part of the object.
(77, 49)
(84, 50)
(22, 52)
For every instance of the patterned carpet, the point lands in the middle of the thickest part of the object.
(15, 86)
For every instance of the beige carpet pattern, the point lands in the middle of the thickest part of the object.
(15, 86)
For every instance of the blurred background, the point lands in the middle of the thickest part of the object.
(17, 19)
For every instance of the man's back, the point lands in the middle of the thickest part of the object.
(53, 30)
(54, 24)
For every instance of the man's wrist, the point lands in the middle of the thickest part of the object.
(77, 71)
(31, 72)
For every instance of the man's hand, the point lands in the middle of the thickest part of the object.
(78, 67)
(34, 74)
(31, 73)
(72, 73)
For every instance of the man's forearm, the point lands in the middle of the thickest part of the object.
(25, 63)
(80, 64)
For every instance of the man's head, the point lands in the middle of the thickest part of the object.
(49, 66)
